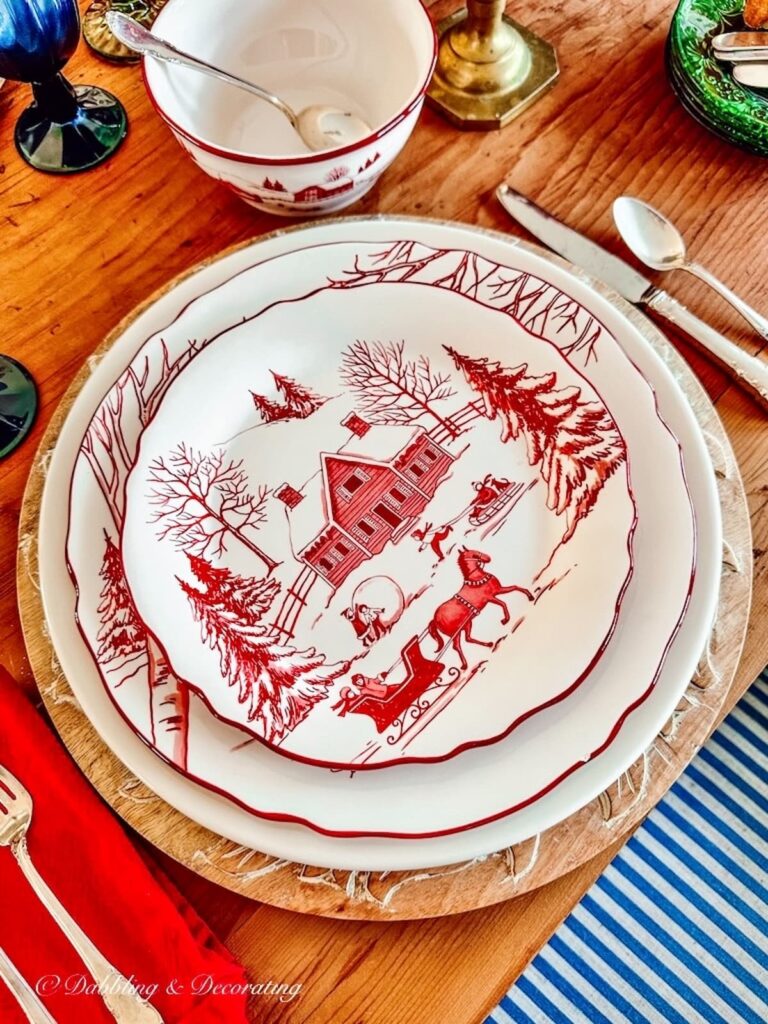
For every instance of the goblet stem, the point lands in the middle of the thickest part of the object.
(56, 99)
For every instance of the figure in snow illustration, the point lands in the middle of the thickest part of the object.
(366, 622)
(434, 538)
(377, 603)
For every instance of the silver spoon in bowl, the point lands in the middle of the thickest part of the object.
(657, 243)
(319, 127)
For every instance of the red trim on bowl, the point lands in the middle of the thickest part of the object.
(308, 158)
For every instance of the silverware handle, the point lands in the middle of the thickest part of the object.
(753, 318)
(22, 992)
(749, 371)
(120, 997)
(165, 51)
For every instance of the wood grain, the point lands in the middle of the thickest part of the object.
(78, 254)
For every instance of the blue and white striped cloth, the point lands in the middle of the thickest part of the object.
(676, 929)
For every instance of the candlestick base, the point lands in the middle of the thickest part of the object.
(483, 83)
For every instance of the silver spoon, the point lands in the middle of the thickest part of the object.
(658, 244)
(320, 127)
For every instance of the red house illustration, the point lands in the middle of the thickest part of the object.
(274, 190)
(365, 496)
(314, 192)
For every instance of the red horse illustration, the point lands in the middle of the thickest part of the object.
(453, 618)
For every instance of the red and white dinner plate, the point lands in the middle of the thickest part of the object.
(212, 463)
(364, 505)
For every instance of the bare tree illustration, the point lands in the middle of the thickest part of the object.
(201, 501)
(536, 305)
(337, 174)
(392, 388)
(108, 447)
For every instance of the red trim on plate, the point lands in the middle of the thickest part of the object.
(470, 744)
(294, 819)
(308, 158)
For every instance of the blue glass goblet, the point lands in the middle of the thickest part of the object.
(67, 128)
(18, 404)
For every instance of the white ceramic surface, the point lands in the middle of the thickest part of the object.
(387, 647)
(374, 59)
(559, 801)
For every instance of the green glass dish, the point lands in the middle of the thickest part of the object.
(706, 86)
(18, 404)
(726, 131)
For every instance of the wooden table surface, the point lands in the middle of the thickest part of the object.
(76, 254)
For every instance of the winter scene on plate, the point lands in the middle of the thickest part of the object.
(367, 522)
(375, 526)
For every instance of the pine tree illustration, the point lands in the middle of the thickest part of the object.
(279, 684)
(270, 411)
(121, 633)
(301, 401)
(575, 443)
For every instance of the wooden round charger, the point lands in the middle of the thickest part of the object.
(442, 890)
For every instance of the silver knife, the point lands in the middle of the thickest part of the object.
(748, 370)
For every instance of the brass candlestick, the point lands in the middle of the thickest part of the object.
(489, 68)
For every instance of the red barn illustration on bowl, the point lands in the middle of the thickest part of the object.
(364, 496)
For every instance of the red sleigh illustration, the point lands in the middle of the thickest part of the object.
(492, 496)
(451, 624)
(385, 704)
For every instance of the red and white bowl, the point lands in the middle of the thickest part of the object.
(374, 59)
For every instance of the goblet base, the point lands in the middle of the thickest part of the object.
(18, 404)
(94, 131)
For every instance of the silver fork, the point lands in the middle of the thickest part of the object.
(120, 997)
(24, 995)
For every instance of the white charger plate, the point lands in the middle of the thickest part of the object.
(694, 455)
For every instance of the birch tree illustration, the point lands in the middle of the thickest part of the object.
(393, 389)
(109, 448)
(279, 684)
(201, 500)
(574, 442)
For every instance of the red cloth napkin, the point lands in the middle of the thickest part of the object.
(130, 910)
